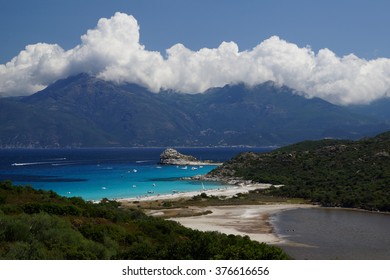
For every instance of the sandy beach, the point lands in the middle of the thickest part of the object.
(250, 220)
(227, 191)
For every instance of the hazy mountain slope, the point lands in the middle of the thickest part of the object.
(84, 111)
(379, 109)
(129, 115)
(270, 114)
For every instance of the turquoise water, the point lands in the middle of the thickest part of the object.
(94, 174)
(123, 180)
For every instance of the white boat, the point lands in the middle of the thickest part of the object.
(184, 168)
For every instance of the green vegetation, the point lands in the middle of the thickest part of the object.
(352, 174)
(37, 224)
(183, 207)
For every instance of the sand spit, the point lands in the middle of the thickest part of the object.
(250, 220)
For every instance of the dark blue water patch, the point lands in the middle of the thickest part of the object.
(327, 233)
(37, 158)
(112, 155)
(36, 178)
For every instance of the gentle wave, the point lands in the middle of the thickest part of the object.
(30, 163)
(53, 161)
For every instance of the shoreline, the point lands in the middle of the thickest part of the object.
(225, 190)
(191, 163)
(245, 220)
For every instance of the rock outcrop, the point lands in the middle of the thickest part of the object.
(173, 157)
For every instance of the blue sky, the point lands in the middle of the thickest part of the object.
(337, 50)
(359, 27)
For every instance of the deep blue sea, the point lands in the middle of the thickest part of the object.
(111, 173)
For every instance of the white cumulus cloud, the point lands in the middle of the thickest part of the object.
(112, 51)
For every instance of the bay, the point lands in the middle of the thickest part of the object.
(97, 173)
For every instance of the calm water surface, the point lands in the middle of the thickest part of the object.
(323, 233)
(108, 172)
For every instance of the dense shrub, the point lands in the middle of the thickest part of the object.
(42, 225)
(330, 172)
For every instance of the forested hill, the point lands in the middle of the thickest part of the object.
(43, 225)
(331, 172)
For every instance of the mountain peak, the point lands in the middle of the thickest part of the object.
(80, 78)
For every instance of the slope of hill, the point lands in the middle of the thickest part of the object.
(42, 225)
(331, 172)
(83, 111)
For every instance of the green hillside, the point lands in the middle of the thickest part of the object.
(42, 225)
(330, 172)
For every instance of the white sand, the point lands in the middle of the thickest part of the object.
(250, 220)
(227, 191)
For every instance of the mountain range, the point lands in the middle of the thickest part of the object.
(84, 111)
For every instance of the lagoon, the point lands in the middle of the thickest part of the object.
(329, 234)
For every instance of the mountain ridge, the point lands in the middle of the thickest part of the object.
(83, 111)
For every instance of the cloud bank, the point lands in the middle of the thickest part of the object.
(112, 51)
